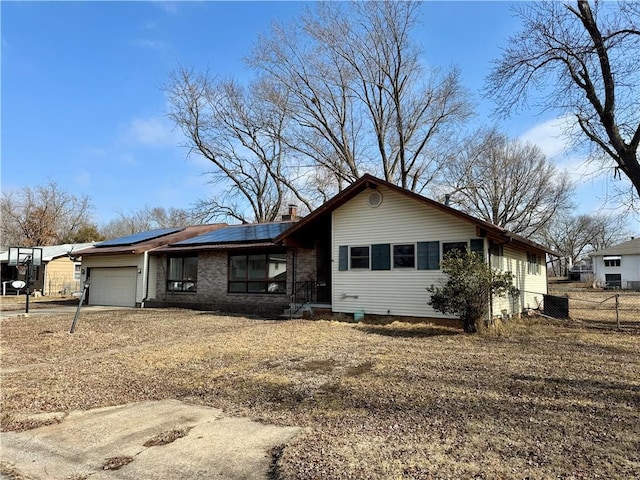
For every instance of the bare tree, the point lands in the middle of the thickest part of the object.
(147, 218)
(326, 127)
(574, 236)
(608, 230)
(506, 182)
(42, 215)
(361, 98)
(239, 130)
(585, 60)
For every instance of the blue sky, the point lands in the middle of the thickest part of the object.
(82, 102)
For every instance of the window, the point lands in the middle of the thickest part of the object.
(477, 246)
(428, 255)
(258, 273)
(612, 261)
(533, 264)
(460, 248)
(183, 274)
(404, 256)
(77, 272)
(359, 257)
(497, 256)
(343, 258)
(381, 257)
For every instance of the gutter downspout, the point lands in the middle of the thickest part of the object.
(293, 282)
(488, 259)
(45, 290)
(145, 277)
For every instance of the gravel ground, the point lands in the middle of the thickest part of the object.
(526, 400)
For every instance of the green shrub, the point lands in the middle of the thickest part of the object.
(469, 288)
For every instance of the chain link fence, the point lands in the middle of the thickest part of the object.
(608, 308)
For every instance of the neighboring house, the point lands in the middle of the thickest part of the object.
(582, 271)
(59, 273)
(120, 271)
(374, 249)
(618, 266)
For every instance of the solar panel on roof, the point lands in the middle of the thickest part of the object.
(138, 237)
(239, 233)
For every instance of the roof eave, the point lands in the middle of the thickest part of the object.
(369, 181)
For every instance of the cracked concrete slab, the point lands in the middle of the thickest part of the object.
(92, 444)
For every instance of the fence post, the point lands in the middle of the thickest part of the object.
(82, 297)
(617, 311)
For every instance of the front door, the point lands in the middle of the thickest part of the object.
(323, 269)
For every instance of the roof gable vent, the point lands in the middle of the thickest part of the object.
(375, 199)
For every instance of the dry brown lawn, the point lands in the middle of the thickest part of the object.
(399, 401)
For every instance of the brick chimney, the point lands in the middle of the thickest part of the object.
(292, 215)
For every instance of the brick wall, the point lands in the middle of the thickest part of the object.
(305, 265)
(212, 287)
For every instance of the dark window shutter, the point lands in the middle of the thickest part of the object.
(381, 257)
(343, 258)
(428, 255)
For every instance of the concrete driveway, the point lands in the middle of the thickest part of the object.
(109, 443)
(38, 310)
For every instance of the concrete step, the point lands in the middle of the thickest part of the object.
(298, 311)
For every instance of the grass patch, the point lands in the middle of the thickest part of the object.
(318, 366)
(9, 471)
(116, 463)
(529, 398)
(20, 422)
(167, 437)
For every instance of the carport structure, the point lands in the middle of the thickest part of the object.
(120, 271)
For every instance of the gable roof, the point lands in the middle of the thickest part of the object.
(147, 241)
(370, 182)
(250, 235)
(630, 247)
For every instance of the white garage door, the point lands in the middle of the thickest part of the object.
(113, 286)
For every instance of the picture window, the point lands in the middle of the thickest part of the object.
(183, 274)
(258, 273)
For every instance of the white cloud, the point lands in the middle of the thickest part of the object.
(553, 139)
(550, 136)
(152, 132)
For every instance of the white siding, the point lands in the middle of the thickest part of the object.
(532, 287)
(398, 220)
(136, 261)
(402, 220)
(629, 269)
(153, 275)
